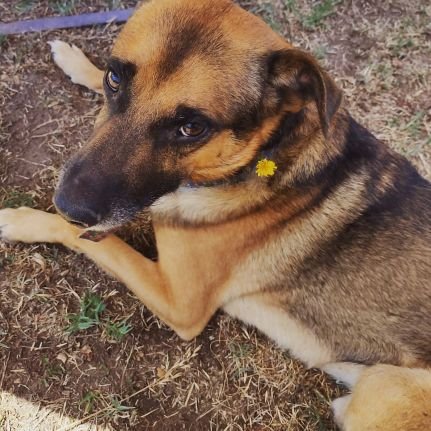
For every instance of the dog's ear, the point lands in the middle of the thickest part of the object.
(299, 80)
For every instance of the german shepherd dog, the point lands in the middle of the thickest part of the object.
(268, 199)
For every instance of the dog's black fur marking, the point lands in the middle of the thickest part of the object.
(192, 38)
(119, 102)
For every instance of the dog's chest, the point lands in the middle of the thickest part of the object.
(233, 266)
(210, 255)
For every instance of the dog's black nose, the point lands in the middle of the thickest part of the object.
(82, 215)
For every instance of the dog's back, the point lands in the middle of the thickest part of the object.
(387, 398)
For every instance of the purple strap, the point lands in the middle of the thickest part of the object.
(65, 21)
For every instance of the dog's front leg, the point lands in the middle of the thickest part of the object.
(141, 275)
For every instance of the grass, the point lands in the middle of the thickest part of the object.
(89, 401)
(291, 6)
(116, 331)
(14, 199)
(53, 370)
(6, 260)
(414, 125)
(240, 352)
(320, 52)
(25, 5)
(3, 39)
(401, 46)
(90, 308)
(117, 407)
(118, 355)
(112, 406)
(62, 7)
(315, 16)
(319, 13)
(114, 4)
(269, 13)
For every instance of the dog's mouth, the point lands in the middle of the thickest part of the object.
(100, 231)
(94, 224)
(93, 233)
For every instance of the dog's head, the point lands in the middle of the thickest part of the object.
(194, 91)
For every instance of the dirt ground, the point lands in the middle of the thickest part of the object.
(103, 356)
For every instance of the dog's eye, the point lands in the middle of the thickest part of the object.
(192, 130)
(113, 81)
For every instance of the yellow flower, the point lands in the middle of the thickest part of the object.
(265, 168)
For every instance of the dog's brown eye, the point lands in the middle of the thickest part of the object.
(192, 130)
(113, 81)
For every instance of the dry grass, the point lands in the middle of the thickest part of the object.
(230, 377)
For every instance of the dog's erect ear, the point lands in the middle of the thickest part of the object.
(299, 79)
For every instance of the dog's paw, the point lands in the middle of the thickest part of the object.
(76, 65)
(29, 225)
(70, 59)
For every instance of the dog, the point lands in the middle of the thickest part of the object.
(385, 398)
(268, 200)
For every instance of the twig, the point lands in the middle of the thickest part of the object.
(4, 370)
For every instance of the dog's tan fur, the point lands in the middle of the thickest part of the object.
(385, 398)
(330, 257)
